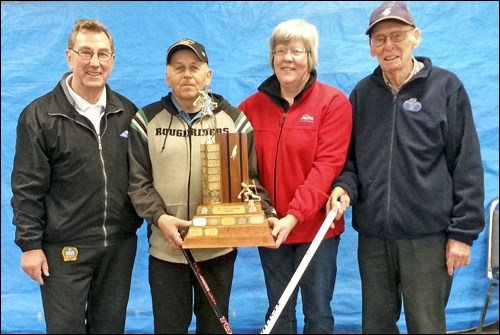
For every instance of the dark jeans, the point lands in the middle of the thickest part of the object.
(172, 286)
(316, 285)
(404, 272)
(89, 295)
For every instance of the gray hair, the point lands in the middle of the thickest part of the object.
(292, 30)
(90, 25)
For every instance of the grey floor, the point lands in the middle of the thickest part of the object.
(487, 329)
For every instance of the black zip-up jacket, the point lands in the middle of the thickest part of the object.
(414, 168)
(70, 185)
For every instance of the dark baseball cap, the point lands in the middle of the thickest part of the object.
(390, 10)
(187, 43)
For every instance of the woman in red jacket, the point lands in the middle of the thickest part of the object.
(302, 131)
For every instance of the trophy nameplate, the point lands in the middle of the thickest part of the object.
(229, 216)
(231, 213)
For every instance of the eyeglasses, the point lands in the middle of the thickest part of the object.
(296, 52)
(102, 56)
(396, 36)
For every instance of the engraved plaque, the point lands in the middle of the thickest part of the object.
(231, 214)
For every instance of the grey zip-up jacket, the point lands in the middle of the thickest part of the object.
(165, 168)
(69, 185)
(414, 168)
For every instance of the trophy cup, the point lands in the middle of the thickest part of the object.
(231, 213)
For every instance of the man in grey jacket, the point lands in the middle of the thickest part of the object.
(166, 188)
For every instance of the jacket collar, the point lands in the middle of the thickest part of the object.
(65, 104)
(271, 87)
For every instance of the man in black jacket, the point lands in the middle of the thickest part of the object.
(74, 220)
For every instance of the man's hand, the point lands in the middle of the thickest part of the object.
(340, 195)
(34, 263)
(170, 227)
(457, 255)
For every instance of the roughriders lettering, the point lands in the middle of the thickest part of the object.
(190, 132)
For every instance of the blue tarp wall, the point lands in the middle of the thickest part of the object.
(462, 37)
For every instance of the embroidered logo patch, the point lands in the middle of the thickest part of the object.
(70, 254)
(306, 118)
(412, 105)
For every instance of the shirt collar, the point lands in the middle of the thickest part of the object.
(183, 114)
(80, 103)
(417, 66)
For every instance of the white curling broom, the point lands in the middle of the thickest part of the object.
(300, 270)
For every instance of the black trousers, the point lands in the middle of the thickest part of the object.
(89, 295)
(172, 287)
(409, 273)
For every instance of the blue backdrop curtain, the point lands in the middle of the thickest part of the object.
(459, 36)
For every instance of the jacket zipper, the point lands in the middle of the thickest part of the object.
(389, 172)
(274, 200)
(99, 142)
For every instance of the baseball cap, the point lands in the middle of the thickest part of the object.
(187, 43)
(391, 10)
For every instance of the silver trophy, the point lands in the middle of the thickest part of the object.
(207, 120)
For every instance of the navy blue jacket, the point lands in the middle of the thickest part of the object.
(414, 167)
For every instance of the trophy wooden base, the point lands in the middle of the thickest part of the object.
(229, 225)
